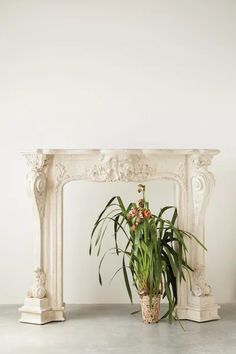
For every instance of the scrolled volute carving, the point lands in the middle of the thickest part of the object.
(38, 289)
(199, 188)
(202, 183)
(37, 181)
(200, 286)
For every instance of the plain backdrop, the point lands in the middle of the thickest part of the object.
(114, 74)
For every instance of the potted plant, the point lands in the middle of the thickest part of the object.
(155, 252)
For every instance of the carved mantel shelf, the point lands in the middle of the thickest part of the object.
(51, 169)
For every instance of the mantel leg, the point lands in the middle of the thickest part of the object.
(201, 305)
(36, 307)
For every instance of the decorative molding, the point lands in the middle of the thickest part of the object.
(200, 286)
(181, 171)
(38, 290)
(61, 175)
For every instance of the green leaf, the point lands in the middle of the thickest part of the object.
(172, 262)
(116, 221)
(163, 210)
(169, 297)
(127, 280)
(121, 204)
(195, 238)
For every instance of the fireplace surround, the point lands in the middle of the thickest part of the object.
(50, 170)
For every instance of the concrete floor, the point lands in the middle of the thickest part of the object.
(101, 329)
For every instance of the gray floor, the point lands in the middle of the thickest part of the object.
(101, 329)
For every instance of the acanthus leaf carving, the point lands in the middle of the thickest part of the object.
(38, 289)
(200, 286)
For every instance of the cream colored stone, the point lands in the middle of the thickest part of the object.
(50, 170)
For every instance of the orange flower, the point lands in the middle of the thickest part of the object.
(146, 213)
(134, 212)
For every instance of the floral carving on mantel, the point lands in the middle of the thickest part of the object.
(120, 168)
(62, 175)
(200, 286)
(38, 290)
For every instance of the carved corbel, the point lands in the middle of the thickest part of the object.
(37, 189)
(202, 184)
(37, 181)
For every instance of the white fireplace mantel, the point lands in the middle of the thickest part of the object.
(50, 170)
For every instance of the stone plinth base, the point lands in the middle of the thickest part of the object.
(37, 311)
(200, 309)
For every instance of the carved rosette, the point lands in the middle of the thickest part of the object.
(120, 168)
(38, 290)
(200, 286)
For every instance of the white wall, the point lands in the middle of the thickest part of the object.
(127, 73)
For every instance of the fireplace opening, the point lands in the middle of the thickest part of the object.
(83, 201)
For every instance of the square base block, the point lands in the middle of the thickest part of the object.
(200, 309)
(38, 311)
